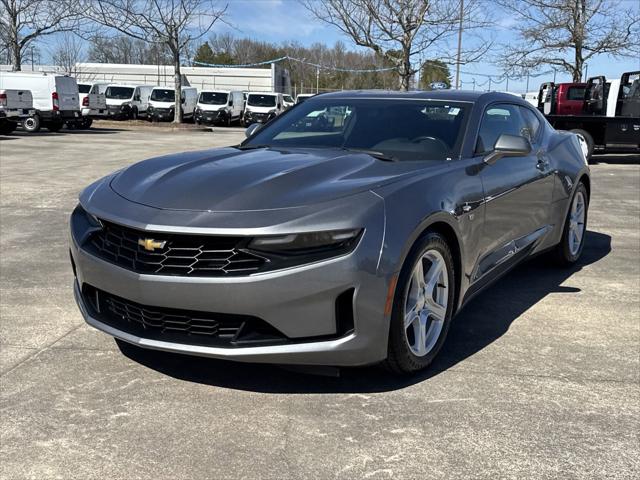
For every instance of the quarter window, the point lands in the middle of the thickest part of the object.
(497, 120)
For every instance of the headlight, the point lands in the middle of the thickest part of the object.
(271, 111)
(300, 248)
(83, 224)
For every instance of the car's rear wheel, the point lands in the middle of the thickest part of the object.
(569, 249)
(422, 306)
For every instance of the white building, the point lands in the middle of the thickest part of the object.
(272, 78)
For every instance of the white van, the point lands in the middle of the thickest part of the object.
(219, 107)
(262, 107)
(92, 103)
(127, 101)
(15, 106)
(55, 98)
(288, 101)
(304, 96)
(162, 103)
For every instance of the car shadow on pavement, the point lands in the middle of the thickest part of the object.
(480, 323)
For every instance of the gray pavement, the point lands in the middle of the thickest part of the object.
(540, 376)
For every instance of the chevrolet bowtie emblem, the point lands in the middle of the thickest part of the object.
(150, 244)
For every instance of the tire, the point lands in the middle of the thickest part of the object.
(588, 139)
(405, 354)
(134, 113)
(566, 253)
(55, 126)
(87, 122)
(31, 124)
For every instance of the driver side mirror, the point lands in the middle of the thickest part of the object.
(508, 146)
(252, 129)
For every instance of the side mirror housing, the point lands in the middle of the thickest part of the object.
(508, 146)
(252, 129)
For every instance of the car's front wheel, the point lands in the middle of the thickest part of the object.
(569, 249)
(422, 305)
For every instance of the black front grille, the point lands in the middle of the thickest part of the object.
(177, 325)
(173, 254)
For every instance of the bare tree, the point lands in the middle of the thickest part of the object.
(23, 21)
(400, 31)
(174, 23)
(568, 33)
(67, 53)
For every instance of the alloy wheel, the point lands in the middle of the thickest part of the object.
(426, 303)
(576, 223)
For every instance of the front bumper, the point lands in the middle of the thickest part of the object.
(211, 117)
(161, 114)
(299, 302)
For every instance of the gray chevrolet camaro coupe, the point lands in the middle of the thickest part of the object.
(347, 231)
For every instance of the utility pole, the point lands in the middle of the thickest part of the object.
(554, 75)
(507, 89)
(586, 70)
(489, 83)
(317, 80)
(459, 45)
(527, 89)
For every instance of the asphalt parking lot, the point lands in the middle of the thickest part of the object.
(539, 378)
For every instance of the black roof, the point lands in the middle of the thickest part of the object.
(451, 95)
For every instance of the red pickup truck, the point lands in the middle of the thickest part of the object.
(561, 99)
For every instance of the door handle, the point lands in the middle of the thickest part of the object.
(542, 163)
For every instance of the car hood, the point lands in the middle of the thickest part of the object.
(229, 179)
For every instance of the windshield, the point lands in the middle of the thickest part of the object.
(399, 129)
(257, 100)
(213, 98)
(163, 95)
(119, 93)
(84, 88)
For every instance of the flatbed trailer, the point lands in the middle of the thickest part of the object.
(611, 134)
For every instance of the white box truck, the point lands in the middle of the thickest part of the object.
(55, 98)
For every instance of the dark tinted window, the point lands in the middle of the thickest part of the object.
(163, 95)
(84, 88)
(575, 93)
(532, 123)
(257, 100)
(499, 119)
(213, 98)
(402, 129)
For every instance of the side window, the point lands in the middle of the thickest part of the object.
(532, 124)
(499, 119)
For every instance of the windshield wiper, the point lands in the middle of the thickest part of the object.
(373, 153)
(250, 147)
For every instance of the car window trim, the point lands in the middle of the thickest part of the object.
(487, 107)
